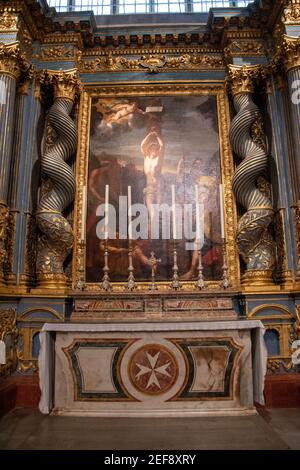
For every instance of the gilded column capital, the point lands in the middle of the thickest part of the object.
(8, 22)
(290, 52)
(291, 13)
(241, 78)
(66, 83)
(12, 61)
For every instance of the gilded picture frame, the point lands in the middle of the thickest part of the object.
(162, 89)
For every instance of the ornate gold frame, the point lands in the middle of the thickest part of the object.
(227, 166)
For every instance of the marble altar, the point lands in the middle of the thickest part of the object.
(152, 369)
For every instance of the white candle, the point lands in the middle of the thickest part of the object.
(106, 211)
(197, 214)
(222, 212)
(83, 213)
(129, 214)
(173, 211)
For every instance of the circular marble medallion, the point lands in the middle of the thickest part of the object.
(153, 369)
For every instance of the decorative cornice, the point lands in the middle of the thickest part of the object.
(244, 48)
(12, 61)
(242, 78)
(153, 63)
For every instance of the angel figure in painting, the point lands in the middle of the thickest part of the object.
(117, 114)
(152, 148)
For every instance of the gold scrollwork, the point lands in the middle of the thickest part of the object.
(57, 53)
(8, 334)
(153, 63)
(244, 48)
(4, 216)
(297, 232)
(275, 364)
(8, 22)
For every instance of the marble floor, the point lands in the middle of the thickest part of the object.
(273, 429)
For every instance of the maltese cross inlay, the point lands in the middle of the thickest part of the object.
(153, 369)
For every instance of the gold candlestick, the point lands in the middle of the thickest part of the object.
(175, 284)
(154, 261)
(131, 285)
(200, 284)
(225, 283)
(106, 285)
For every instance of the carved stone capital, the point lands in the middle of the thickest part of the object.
(8, 22)
(66, 83)
(241, 78)
(290, 52)
(12, 61)
(291, 14)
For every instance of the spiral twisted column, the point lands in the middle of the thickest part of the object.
(58, 190)
(254, 241)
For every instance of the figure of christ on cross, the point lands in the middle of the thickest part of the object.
(152, 148)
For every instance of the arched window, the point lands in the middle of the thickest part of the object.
(112, 7)
(272, 342)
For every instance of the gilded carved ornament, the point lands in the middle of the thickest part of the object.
(291, 14)
(4, 215)
(297, 231)
(244, 48)
(8, 329)
(57, 53)
(290, 52)
(153, 63)
(12, 61)
(8, 22)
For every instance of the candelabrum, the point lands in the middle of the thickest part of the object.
(225, 279)
(200, 284)
(175, 284)
(106, 285)
(131, 285)
(154, 261)
(80, 285)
